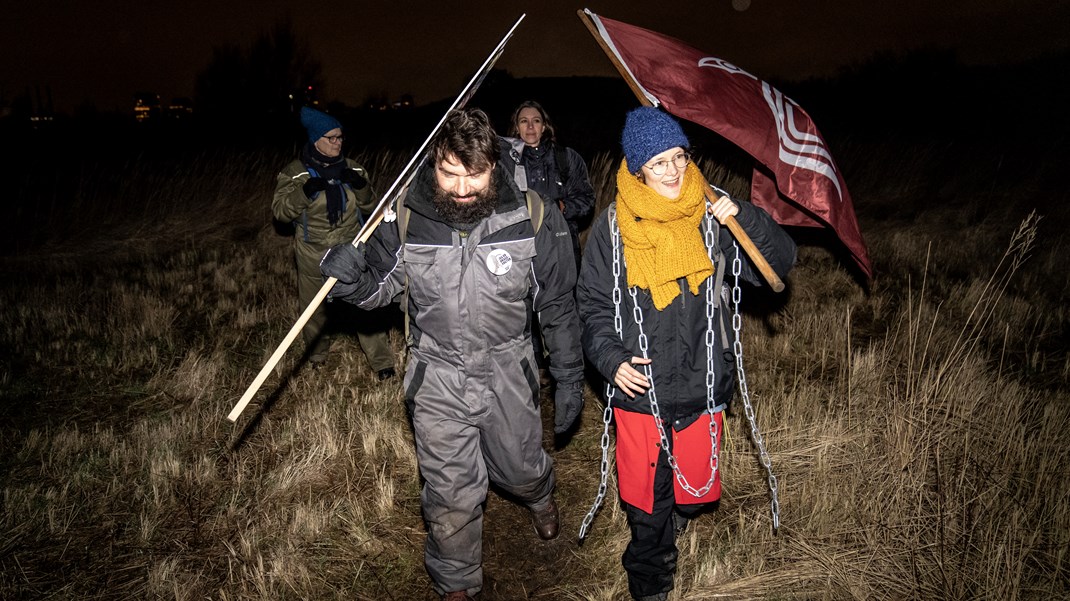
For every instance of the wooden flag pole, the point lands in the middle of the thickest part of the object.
(733, 226)
(752, 251)
(296, 329)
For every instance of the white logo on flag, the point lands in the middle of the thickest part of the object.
(720, 63)
(796, 148)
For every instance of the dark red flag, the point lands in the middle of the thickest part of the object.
(806, 188)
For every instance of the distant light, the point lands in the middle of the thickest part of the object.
(740, 5)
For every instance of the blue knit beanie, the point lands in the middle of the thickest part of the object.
(317, 123)
(649, 131)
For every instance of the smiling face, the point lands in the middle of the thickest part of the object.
(463, 198)
(454, 180)
(667, 184)
(330, 143)
(530, 125)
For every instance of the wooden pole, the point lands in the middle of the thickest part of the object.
(281, 349)
(733, 226)
(296, 329)
(752, 251)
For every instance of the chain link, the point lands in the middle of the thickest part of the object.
(607, 416)
(748, 408)
(655, 410)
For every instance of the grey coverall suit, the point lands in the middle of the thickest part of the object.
(471, 382)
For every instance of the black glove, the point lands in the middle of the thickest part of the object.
(354, 179)
(568, 403)
(346, 263)
(314, 185)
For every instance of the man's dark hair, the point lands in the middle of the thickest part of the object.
(514, 123)
(468, 135)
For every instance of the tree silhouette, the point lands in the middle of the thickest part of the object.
(260, 85)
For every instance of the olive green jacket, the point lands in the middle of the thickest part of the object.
(310, 216)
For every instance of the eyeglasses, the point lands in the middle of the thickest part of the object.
(333, 139)
(680, 161)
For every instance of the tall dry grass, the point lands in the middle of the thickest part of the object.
(916, 430)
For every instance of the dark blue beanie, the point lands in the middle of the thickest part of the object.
(649, 131)
(317, 123)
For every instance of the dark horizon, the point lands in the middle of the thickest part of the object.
(430, 50)
(924, 94)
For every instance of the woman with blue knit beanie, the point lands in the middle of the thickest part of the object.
(326, 197)
(650, 295)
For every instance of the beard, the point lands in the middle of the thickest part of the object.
(469, 213)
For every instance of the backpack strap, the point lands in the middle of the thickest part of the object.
(304, 224)
(720, 292)
(536, 209)
(513, 148)
(719, 266)
(404, 212)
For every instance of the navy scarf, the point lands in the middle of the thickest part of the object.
(330, 169)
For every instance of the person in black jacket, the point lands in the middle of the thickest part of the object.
(473, 265)
(556, 172)
(650, 299)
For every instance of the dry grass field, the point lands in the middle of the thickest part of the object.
(917, 427)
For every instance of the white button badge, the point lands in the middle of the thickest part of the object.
(499, 261)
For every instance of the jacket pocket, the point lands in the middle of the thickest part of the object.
(424, 281)
(515, 283)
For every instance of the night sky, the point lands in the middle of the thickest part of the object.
(103, 52)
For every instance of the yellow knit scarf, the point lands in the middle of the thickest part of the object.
(662, 241)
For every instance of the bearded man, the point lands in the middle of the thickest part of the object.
(473, 267)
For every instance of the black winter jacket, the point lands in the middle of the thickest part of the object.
(676, 335)
(543, 175)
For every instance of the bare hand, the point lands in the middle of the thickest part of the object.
(629, 380)
(723, 209)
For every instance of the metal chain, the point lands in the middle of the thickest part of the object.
(607, 415)
(656, 411)
(711, 305)
(637, 316)
(711, 309)
(737, 348)
(756, 435)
